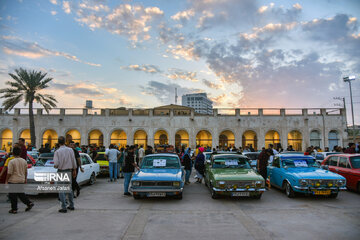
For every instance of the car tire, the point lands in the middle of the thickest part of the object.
(258, 196)
(358, 187)
(333, 195)
(137, 197)
(289, 191)
(179, 197)
(214, 195)
(92, 179)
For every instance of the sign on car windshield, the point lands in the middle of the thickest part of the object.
(231, 162)
(160, 162)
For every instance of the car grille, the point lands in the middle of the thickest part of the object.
(323, 183)
(239, 184)
(152, 183)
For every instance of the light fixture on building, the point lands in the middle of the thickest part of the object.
(349, 79)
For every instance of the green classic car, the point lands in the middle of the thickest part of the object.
(231, 175)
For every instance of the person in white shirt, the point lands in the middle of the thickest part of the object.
(141, 154)
(112, 155)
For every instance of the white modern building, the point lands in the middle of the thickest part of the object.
(179, 126)
(199, 102)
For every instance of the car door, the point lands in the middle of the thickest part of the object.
(333, 163)
(344, 169)
(85, 164)
(275, 172)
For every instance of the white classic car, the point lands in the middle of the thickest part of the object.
(45, 163)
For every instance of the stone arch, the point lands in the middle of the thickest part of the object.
(272, 137)
(25, 134)
(161, 137)
(249, 139)
(226, 139)
(118, 137)
(295, 139)
(181, 138)
(204, 138)
(6, 139)
(50, 137)
(72, 134)
(315, 137)
(96, 137)
(140, 137)
(333, 137)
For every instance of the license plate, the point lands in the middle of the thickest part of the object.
(325, 192)
(156, 194)
(240, 194)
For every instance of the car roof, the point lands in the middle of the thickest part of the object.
(162, 154)
(345, 154)
(46, 155)
(294, 156)
(228, 154)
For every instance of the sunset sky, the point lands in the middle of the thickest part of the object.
(135, 53)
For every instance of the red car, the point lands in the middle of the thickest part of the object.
(30, 161)
(347, 165)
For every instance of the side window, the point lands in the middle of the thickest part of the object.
(276, 162)
(342, 162)
(84, 160)
(89, 159)
(333, 161)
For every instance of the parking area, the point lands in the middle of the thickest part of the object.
(102, 212)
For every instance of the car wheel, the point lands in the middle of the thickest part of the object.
(136, 196)
(92, 179)
(214, 195)
(289, 191)
(258, 196)
(333, 195)
(179, 197)
(358, 187)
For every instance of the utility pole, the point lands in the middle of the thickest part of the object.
(349, 79)
(176, 96)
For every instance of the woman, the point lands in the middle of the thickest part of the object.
(187, 162)
(200, 164)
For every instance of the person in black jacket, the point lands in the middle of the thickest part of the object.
(200, 164)
(187, 162)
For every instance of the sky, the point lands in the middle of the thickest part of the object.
(242, 53)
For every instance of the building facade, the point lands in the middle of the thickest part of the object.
(198, 101)
(179, 126)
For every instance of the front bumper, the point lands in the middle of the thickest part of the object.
(159, 190)
(311, 189)
(252, 191)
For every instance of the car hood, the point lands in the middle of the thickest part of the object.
(313, 173)
(235, 174)
(30, 172)
(158, 174)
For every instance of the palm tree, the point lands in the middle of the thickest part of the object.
(25, 86)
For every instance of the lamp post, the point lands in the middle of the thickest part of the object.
(349, 79)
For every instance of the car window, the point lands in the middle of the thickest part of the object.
(84, 160)
(89, 159)
(355, 161)
(160, 162)
(276, 162)
(342, 162)
(28, 160)
(333, 161)
(319, 157)
(231, 162)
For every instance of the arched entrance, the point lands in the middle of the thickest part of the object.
(25, 134)
(140, 138)
(333, 139)
(181, 139)
(6, 140)
(226, 139)
(96, 138)
(72, 135)
(249, 139)
(51, 137)
(204, 139)
(119, 138)
(295, 140)
(272, 137)
(161, 137)
(315, 138)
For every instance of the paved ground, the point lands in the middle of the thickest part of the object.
(102, 212)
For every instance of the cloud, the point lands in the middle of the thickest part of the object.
(66, 7)
(148, 68)
(53, 2)
(19, 47)
(53, 13)
(165, 92)
(183, 15)
(211, 84)
(175, 74)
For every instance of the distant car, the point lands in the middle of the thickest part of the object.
(253, 156)
(320, 156)
(33, 154)
(29, 160)
(160, 175)
(103, 163)
(45, 163)
(347, 165)
(230, 174)
(301, 174)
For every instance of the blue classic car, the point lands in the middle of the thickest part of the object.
(160, 175)
(301, 174)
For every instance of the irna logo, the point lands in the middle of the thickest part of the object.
(51, 177)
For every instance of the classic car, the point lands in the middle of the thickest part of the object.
(230, 174)
(347, 165)
(160, 175)
(320, 156)
(103, 163)
(45, 163)
(253, 156)
(302, 174)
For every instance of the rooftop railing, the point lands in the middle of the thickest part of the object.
(178, 112)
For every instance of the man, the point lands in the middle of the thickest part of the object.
(141, 154)
(23, 148)
(17, 173)
(112, 155)
(263, 161)
(128, 169)
(351, 148)
(77, 147)
(64, 161)
(148, 150)
(74, 184)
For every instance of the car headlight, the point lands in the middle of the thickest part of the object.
(135, 183)
(176, 184)
(340, 183)
(221, 184)
(303, 182)
(259, 184)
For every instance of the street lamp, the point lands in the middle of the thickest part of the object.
(349, 79)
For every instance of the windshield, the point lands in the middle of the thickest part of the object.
(231, 162)
(44, 162)
(101, 157)
(160, 162)
(355, 161)
(207, 156)
(299, 163)
(252, 156)
(34, 155)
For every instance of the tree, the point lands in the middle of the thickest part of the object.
(26, 85)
